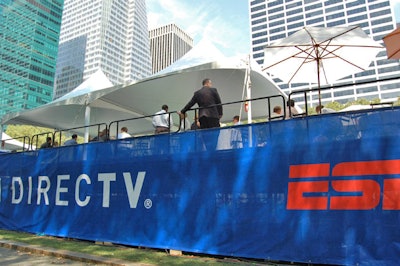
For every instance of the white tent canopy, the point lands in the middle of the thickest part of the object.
(10, 144)
(174, 86)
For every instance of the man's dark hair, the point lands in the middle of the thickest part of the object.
(290, 103)
(164, 107)
(74, 136)
(205, 81)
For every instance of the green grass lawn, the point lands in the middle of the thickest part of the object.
(132, 254)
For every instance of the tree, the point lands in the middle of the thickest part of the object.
(397, 103)
(37, 135)
(20, 131)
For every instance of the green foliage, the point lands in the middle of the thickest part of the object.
(130, 254)
(338, 106)
(362, 101)
(19, 131)
(397, 103)
(335, 106)
(332, 105)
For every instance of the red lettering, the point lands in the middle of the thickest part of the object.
(369, 198)
(387, 167)
(354, 194)
(309, 170)
(391, 194)
(297, 200)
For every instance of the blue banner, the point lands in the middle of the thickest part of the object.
(322, 189)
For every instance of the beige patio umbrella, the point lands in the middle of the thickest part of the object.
(320, 55)
(392, 43)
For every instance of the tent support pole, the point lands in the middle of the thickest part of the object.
(248, 95)
(87, 123)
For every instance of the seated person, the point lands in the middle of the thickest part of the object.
(277, 112)
(47, 144)
(71, 141)
(103, 136)
(124, 133)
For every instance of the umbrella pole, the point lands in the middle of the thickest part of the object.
(319, 82)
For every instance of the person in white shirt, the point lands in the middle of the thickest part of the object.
(124, 133)
(185, 123)
(291, 110)
(277, 112)
(162, 120)
(236, 135)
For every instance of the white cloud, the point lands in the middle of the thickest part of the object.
(216, 21)
(169, 11)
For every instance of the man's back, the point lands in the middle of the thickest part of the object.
(207, 97)
(209, 102)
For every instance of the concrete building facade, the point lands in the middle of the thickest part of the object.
(102, 34)
(273, 20)
(167, 44)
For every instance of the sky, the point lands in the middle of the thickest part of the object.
(223, 22)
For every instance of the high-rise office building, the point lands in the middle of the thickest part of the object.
(274, 20)
(102, 34)
(167, 44)
(29, 33)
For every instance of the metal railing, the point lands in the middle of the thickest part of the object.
(26, 145)
(148, 117)
(182, 122)
(34, 140)
(76, 129)
(306, 92)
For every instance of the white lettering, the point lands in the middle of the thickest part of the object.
(106, 178)
(77, 191)
(44, 190)
(29, 190)
(60, 190)
(134, 193)
(17, 180)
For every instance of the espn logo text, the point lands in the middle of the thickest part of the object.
(314, 187)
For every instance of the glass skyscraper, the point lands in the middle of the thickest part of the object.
(102, 34)
(274, 20)
(29, 34)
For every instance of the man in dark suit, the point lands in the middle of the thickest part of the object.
(209, 102)
(210, 112)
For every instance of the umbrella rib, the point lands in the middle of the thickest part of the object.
(309, 54)
(301, 51)
(319, 52)
(345, 60)
(333, 37)
(291, 56)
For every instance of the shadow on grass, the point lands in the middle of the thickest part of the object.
(131, 254)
